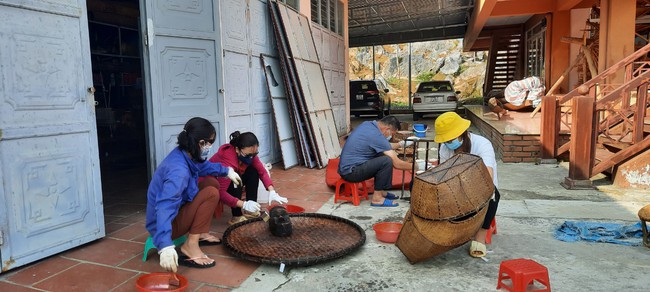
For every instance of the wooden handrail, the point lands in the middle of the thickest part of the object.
(614, 68)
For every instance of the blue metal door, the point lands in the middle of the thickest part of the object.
(50, 194)
(181, 70)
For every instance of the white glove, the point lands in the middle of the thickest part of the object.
(251, 206)
(274, 196)
(169, 258)
(234, 177)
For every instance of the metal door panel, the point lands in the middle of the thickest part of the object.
(50, 195)
(262, 120)
(259, 92)
(283, 117)
(233, 20)
(262, 40)
(341, 54)
(189, 17)
(327, 49)
(263, 124)
(317, 33)
(312, 83)
(239, 123)
(334, 47)
(181, 69)
(237, 83)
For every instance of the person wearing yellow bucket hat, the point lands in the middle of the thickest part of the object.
(451, 133)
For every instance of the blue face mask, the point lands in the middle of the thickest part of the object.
(245, 159)
(453, 144)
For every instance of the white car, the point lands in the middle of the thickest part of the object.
(434, 97)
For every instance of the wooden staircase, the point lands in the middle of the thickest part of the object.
(609, 122)
(505, 49)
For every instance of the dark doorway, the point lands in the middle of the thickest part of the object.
(116, 57)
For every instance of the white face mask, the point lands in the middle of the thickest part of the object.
(205, 151)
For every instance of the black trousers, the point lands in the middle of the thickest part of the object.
(251, 180)
(492, 209)
(381, 168)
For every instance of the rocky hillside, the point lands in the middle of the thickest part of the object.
(434, 60)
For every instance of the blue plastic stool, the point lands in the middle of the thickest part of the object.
(149, 245)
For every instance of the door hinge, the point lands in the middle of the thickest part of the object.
(2, 238)
(146, 41)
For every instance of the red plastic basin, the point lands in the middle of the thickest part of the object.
(159, 282)
(291, 209)
(387, 231)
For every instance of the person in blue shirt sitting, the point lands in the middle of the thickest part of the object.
(177, 204)
(367, 154)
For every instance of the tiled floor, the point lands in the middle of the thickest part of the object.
(115, 262)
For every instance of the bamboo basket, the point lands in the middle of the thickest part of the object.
(460, 186)
(414, 245)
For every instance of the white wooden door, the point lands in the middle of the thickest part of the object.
(247, 33)
(50, 194)
(182, 63)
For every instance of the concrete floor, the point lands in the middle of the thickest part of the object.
(533, 205)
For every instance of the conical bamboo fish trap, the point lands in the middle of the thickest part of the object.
(460, 186)
(421, 239)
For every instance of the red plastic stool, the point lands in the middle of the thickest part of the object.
(522, 272)
(349, 191)
(491, 230)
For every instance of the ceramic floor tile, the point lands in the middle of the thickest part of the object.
(124, 210)
(152, 265)
(86, 277)
(130, 232)
(106, 251)
(112, 227)
(4, 286)
(208, 288)
(228, 272)
(41, 270)
(137, 217)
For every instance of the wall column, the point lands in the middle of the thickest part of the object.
(617, 20)
(560, 27)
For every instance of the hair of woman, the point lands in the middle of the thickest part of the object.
(195, 130)
(243, 140)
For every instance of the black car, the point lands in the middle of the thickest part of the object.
(368, 97)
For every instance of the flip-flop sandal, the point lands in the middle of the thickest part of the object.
(207, 242)
(184, 260)
(391, 196)
(386, 203)
(477, 249)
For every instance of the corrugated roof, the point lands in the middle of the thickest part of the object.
(376, 22)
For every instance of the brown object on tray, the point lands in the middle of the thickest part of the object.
(459, 186)
(279, 224)
(315, 238)
(408, 151)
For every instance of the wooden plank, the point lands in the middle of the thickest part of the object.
(622, 155)
(583, 142)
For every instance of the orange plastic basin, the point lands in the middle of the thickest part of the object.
(159, 282)
(387, 231)
(291, 209)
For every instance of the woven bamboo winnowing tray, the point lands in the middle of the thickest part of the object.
(459, 186)
(315, 238)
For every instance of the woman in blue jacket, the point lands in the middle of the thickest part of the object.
(178, 205)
